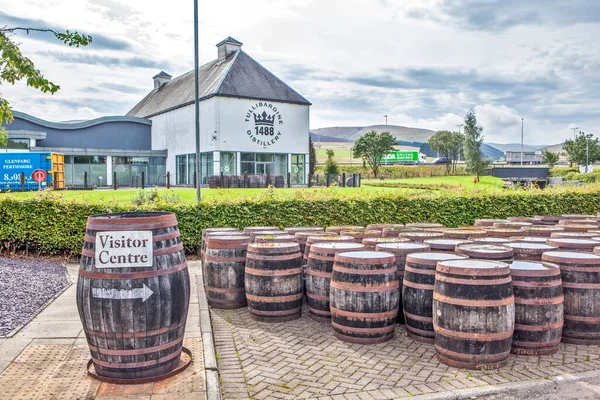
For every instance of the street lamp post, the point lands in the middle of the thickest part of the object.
(196, 102)
(521, 141)
(574, 129)
(385, 119)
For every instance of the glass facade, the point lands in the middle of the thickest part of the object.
(185, 165)
(129, 170)
(298, 168)
(77, 166)
(228, 163)
(18, 144)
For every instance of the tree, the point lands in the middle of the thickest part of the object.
(312, 158)
(372, 146)
(549, 158)
(3, 137)
(475, 163)
(15, 67)
(583, 148)
(331, 167)
(456, 148)
(441, 142)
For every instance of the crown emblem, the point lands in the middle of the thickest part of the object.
(264, 119)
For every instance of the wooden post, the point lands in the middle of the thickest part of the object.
(343, 179)
(359, 179)
(22, 181)
(268, 179)
(168, 180)
(309, 183)
(143, 179)
(221, 181)
(327, 179)
(85, 181)
(245, 179)
(289, 176)
(115, 185)
(353, 180)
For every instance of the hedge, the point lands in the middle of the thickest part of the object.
(49, 225)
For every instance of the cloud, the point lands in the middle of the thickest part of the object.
(104, 60)
(99, 41)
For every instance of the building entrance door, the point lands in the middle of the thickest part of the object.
(262, 168)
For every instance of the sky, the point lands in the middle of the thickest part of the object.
(423, 63)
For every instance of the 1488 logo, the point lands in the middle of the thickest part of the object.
(265, 119)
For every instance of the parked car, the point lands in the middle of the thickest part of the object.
(442, 160)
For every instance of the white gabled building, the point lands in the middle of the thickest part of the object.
(250, 120)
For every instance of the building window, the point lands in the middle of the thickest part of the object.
(298, 168)
(186, 165)
(21, 144)
(228, 163)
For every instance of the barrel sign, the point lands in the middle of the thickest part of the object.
(122, 249)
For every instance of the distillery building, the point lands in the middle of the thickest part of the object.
(251, 122)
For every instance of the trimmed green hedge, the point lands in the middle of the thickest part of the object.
(48, 225)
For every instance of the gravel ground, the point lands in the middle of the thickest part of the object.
(25, 286)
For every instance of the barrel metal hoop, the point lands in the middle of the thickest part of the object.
(580, 285)
(168, 250)
(537, 284)
(320, 274)
(369, 289)
(418, 271)
(140, 364)
(472, 302)
(364, 261)
(580, 269)
(418, 317)
(579, 318)
(138, 381)
(229, 245)
(275, 299)
(536, 345)
(536, 328)
(136, 352)
(224, 259)
(132, 275)
(319, 312)
(135, 223)
(541, 302)
(369, 316)
(351, 329)
(317, 297)
(274, 272)
(413, 285)
(261, 257)
(316, 256)
(132, 335)
(278, 313)
(357, 271)
(223, 290)
(482, 337)
(503, 269)
(473, 282)
(472, 357)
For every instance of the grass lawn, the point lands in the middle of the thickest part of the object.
(466, 182)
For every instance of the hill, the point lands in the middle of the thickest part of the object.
(517, 146)
(352, 133)
(315, 137)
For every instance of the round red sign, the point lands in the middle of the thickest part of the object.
(39, 175)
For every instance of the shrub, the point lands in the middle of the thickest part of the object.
(50, 225)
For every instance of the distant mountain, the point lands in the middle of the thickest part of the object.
(492, 152)
(315, 137)
(352, 133)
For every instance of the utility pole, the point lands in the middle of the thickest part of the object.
(196, 102)
(587, 151)
(521, 142)
(385, 119)
(459, 126)
(574, 129)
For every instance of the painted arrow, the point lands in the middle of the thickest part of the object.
(123, 294)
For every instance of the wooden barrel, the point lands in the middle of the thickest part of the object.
(444, 245)
(546, 219)
(225, 261)
(364, 297)
(564, 222)
(577, 216)
(419, 237)
(424, 225)
(381, 227)
(491, 240)
(503, 232)
(417, 293)
(577, 245)
(400, 251)
(254, 234)
(394, 231)
(360, 235)
(578, 228)
(479, 251)
(510, 224)
(538, 308)
(275, 239)
(212, 231)
(529, 239)
(486, 222)
(530, 220)
(574, 235)
(126, 262)
(541, 230)
(597, 250)
(339, 228)
(370, 243)
(318, 276)
(292, 230)
(581, 286)
(473, 313)
(249, 229)
(326, 238)
(273, 281)
(530, 251)
(463, 233)
(301, 237)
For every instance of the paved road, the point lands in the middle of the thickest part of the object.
(585, 389)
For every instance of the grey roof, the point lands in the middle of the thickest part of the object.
(161, 73)
(229, 39)
(237, 76)
(73, 125)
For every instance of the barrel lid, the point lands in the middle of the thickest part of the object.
(311, 233)
(504, 230)
(583, 227)
(360, 232)
(421, 234)
(571, 257)
(294, 229)
(344, 228)
(572, 242)
(486, 221)
(542, 228)
(431, 258)
(282, 246)
(466, 231)
(531, 246)
(577, 216)
(402, 246)
(224, 229)
(383, 226)
(490, 250)
(376, 240)
(337, 245)
(280, 237)
(492, 240)
(228, 238)
(573, 235)
(528, 239)
(260, 228)
(472, 267)
(365, 257)
(596, 238)
(225, 233)
(547, 218)
(533, 268)
(424, 225)
(521, 219)
(511, 223)
(445, 244)
(325, 238)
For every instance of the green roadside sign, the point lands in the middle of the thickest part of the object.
(401, 156)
